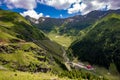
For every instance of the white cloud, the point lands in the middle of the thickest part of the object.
(72, 6)
(61, 16)
(77, 7)
(47, 16)
(100, 5)
(32, 14)
(25, 4)
(84, 8)
(58, 4)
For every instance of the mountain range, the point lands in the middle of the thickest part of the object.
(26, 47)
(71, 25)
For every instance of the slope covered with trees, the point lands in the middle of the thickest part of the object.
(101, 43)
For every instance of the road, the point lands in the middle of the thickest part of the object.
(64, 55)
(66, 59)
(68, 63)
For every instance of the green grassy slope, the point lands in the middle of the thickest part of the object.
(24, 47)
(15, 25)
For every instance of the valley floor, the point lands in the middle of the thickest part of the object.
(60, 39)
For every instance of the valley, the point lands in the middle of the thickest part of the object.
(75, 48)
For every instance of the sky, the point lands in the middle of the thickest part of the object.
(57, 8)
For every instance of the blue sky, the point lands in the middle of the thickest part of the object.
(57, 8)
(41, 8)
(53, 12)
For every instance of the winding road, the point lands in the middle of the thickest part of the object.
(68, 63)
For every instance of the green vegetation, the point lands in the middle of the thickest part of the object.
(24, 47)
(111, 74)
(61, 39)
(72, 25)
(100, 44)
(26, 53)
(12, 24)
(10, 75)
(23, 57)
(81, 74)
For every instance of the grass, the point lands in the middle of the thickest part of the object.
(107, 74)
(60, 39)
(6, 16)
(6, 24)
(10, 75)
(5, 36)
(19, 56)
(111, 74)
(19, 53)
(24, 55)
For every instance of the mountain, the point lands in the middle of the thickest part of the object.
(100, 44)
(27, 53)
(72, 25)
(46, 24)
(24, 47)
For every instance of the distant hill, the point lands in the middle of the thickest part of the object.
(100, 44)
(72, 25)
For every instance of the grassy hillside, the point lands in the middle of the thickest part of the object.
(23, 47)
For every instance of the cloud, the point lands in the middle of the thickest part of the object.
(58, 4)
(114, 4)
(72, 6)
(100, 5)
(47, 16)
(77, 7)
(61, 16)
(32, 14)
(25, 4)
